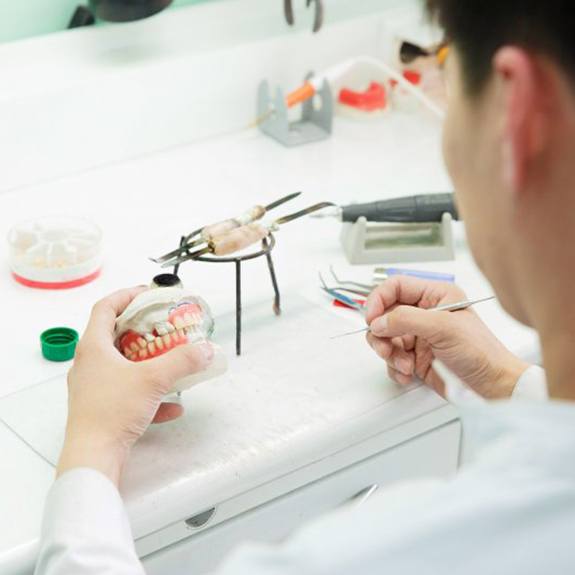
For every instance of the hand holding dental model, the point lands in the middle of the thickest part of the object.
(409, 338)
(112, 400)
(163, 318)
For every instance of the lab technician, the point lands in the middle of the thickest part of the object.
(509, 146)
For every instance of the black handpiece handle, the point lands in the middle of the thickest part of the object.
(411, 209)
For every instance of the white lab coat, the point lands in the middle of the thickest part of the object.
(510, 511)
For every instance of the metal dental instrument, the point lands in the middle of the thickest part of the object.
(342, 298)
(220, 228)
(337, 289)
(366, 288)
(422, 208)
(445, 307)
(243, 237)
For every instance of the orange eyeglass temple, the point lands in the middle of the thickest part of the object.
(442, 54)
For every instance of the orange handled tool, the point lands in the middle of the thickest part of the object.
(208, 233)
(242, 237)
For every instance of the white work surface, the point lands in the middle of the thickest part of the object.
(295, 395)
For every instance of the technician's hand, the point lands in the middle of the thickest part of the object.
(410, 338)
(112, 400)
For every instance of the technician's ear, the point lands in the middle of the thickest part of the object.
(525, 87)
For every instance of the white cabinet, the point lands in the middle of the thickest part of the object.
(433, 454)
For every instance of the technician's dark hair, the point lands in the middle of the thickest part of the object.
(478, 28)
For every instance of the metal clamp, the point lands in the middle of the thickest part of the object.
(319, 13)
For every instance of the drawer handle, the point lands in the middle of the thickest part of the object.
(200, 519)
(361, 497)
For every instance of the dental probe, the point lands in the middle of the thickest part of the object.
(211, 231)
(460, 305)
(410, 209)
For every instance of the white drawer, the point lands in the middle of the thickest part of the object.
(433, 454)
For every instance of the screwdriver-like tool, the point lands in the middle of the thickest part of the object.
(411, 209)
(208, 233)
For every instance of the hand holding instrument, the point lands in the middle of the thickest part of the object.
(444, 307)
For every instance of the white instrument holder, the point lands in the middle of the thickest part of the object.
(372, 243)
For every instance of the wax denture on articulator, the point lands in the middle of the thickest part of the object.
(159, 320)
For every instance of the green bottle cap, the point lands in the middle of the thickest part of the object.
(59, 343)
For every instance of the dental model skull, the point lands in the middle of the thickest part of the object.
(163, 318)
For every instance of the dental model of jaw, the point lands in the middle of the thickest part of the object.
(162, 318)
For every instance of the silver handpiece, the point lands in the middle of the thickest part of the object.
(444, 307)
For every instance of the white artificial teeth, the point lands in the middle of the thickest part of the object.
(158, 320)
(161, 329)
